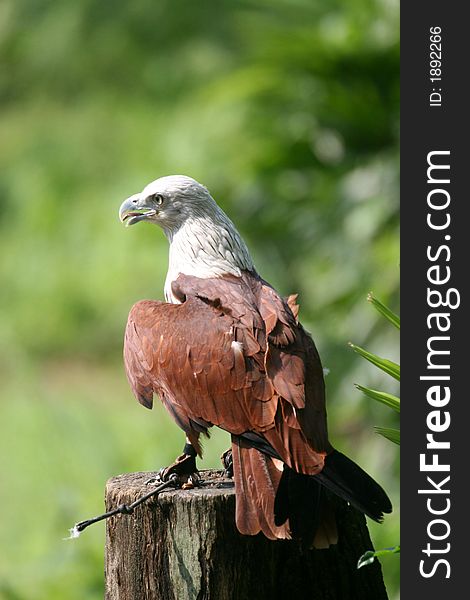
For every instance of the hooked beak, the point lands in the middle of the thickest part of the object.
(134, 210)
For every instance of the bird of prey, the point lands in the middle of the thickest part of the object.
(226, 349)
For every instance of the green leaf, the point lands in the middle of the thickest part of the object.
(368, 557)
(384, 310)
(390, 367)
(391, 434)
(387, 399)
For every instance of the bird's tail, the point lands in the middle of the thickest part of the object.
(282, 504)
(286, 504)
(302, 503)
(256, 482)
(346, 479)
(301, 499)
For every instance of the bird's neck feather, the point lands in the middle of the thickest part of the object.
(206, 247)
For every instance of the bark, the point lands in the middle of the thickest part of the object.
(184, 545)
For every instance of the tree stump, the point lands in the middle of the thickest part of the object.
(183, 545)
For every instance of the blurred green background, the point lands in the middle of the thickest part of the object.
(288, 111)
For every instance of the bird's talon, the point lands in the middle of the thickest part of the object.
(183, 471)
(227, 462)
(152, 481)
(164, 474)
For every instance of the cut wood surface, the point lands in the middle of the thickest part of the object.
(183, 545)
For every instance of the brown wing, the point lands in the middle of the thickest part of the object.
(233, 355)
(288, 373)
(257, 480)
(192, 357)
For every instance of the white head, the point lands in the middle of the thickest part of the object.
(168, 202)
(203, 240)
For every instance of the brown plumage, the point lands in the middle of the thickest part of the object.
(229, 351)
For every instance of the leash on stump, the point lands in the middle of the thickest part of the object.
(123, 509)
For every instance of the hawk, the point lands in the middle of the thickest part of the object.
(227, 350)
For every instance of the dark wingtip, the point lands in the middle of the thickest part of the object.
(346, 479)
(147, 402)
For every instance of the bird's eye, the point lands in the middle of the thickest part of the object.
(158, 198)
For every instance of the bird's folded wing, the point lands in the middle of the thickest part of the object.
(231, 354)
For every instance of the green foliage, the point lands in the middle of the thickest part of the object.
(368, 557)
(384, 310)
(389, 400)
(386, 365)
(391, 434)
(288, 112)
